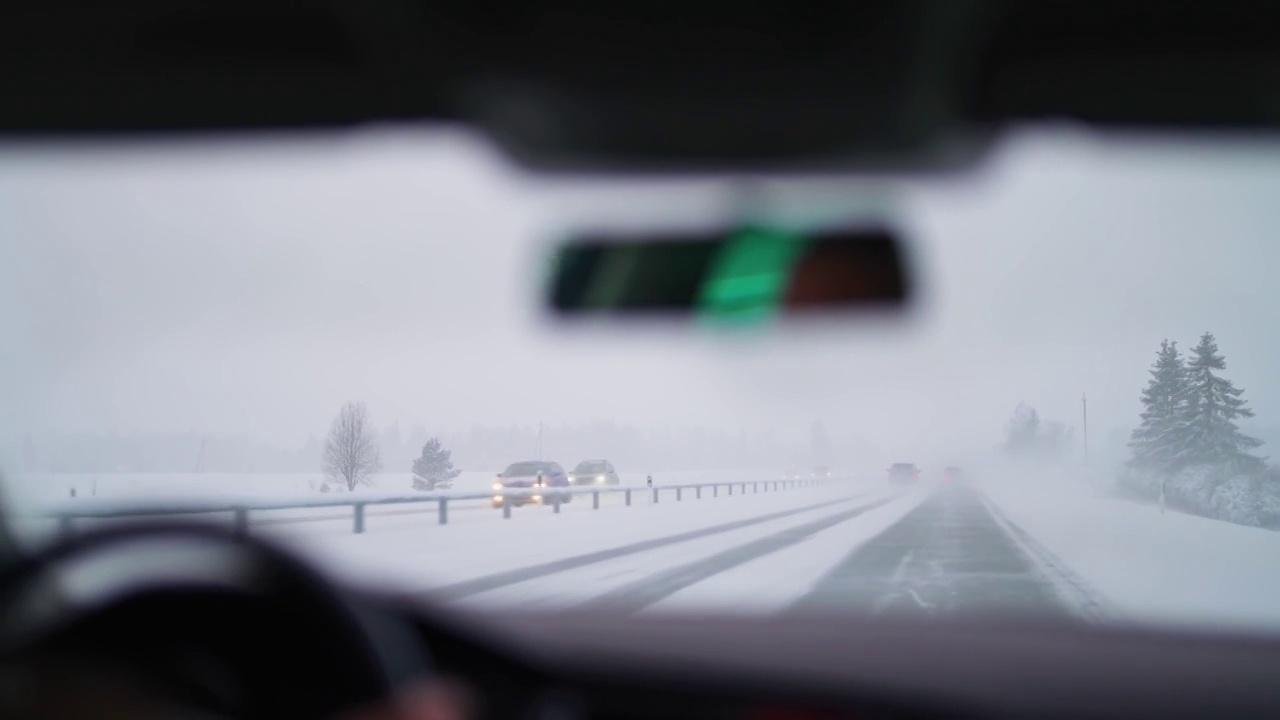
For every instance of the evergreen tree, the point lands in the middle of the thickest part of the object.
(1207, 433)
(1023, 431)
(1154, 442)
(434, 467)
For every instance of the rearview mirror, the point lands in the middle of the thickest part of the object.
(749, 274)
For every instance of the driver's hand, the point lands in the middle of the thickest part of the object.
(424, 701)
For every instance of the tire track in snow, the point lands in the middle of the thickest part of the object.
(519, 575)
(638, 595)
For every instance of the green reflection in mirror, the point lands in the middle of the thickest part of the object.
(749, 277)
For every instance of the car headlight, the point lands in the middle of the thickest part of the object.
(497, 486)
(599, 478)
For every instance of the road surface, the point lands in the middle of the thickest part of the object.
(926, 552)
(948, 555)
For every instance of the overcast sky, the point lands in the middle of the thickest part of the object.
(256, 287)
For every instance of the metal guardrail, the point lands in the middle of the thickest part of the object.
(67, 514)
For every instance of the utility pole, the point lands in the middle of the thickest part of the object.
(200, 457)
(1084, 412)
(539, 439)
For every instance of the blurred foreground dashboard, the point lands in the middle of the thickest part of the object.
(214, 657)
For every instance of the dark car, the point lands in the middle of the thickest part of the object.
(594, 472)
(903, 473)
(531, 482)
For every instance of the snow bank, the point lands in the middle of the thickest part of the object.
(1157, 568)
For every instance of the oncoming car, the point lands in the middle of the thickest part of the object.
(531, 480)
(594, 472)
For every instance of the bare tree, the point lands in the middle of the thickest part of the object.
(351, 453)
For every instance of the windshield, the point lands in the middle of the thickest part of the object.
(273, 324)
(591, 467)
(522, 469)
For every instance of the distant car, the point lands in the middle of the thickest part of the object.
(822, 471)
(594, 472)
(952, 474)
(533, 480)
(903, 473)
(791, 475)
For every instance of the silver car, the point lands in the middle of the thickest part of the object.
(531, 482)
(594, 472)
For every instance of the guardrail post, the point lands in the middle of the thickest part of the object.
(595, 500)
(240, 522)
(715, 491)
(357, 519)
(677, 494)
(730, 486)
(628, 497)
(66, 528)
(697, 492)
(755, 487)
(506, 507)
(444, 511)
(655, 496)
(555, 503)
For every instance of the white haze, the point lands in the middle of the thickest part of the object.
(250, 289)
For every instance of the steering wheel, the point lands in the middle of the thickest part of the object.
(114, 590)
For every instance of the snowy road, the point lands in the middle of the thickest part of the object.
(1021, 540)
(864, 549)
(950, 554)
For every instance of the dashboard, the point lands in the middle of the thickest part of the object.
(283, 641)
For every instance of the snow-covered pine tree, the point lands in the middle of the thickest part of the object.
(1206, 433)
(434, 467)
(1154, 441)
(1022, 432)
